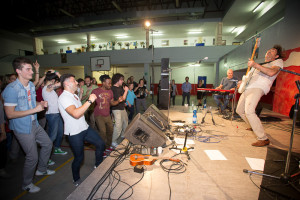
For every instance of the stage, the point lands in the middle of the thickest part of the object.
(214, 170)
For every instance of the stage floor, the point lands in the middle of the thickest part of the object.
(215, 168)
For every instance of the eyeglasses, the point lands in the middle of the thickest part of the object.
(75, 96)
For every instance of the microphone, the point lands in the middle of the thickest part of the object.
(205, 58)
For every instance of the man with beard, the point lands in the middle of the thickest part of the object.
(75, 126)
(86, 92)
(263, 76)
(105, 99)
(186, 90)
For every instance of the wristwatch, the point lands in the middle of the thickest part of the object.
(89, 101)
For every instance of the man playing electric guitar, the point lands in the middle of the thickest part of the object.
(259, 85)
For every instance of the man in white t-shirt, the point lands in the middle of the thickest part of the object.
(260, 83)
(78, 131)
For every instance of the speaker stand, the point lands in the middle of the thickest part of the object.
(208, 110)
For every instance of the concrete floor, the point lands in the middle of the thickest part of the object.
(204, 178)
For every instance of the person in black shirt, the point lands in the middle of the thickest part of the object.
(119, 112)
(141, 92)
(200, 94)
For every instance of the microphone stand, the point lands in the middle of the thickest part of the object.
(286, 177)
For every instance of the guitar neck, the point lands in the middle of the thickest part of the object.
(253, 53)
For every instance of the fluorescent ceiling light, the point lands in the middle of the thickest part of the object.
(62, 41)
(234, 29)
(194, 32)
(121, 36)
(258, 6)
(194, 65)
(156, 33)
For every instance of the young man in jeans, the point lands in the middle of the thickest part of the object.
(54, 120)
(119, 112)
(21, 108)
(104, 100)
(78, 131)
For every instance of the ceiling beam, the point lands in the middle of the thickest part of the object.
(117, 6)
(66, 13)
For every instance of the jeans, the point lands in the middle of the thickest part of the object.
(185, 94)
(77, 145)
(246, 109)
(131, 112)
(105, 127)
(28, 143)
(121, 123)
(55, 128)
(225, 98)
(141, 102)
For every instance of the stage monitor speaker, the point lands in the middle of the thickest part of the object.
(142, 132)
(157, 117)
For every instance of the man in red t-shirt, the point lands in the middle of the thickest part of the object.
(104, 100)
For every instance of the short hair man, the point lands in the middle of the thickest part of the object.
(86, 91)
(119, 112)
(227, 83)
(21, 108)
(78, 131)
(186, 90)
(105, 99)
(259, 85)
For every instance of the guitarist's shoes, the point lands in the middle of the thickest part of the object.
(261, 143)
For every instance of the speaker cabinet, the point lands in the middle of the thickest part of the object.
(157, 117)
(142, 132)
(164, 84)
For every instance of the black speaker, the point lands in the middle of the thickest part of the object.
(164, 84)
(157, 118)
(142, 132)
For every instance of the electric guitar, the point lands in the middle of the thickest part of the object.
(139, 159)
(246, 78)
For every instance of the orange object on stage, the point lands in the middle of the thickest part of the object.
(139, 159)
(213, 90)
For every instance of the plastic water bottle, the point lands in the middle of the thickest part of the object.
(204, 104)
(194, 116)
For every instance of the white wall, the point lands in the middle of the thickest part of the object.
(173, 42)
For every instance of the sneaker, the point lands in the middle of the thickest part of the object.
(51, 162)
(46, 173)
(105, 154)
(110, 149)
(77, 183)
(261, 143)
(58, 151)
(31, 188)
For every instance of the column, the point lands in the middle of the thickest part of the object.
(146, 74)
(88, 42)
(218, 37)
(38, 46)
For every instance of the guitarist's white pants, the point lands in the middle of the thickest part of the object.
(246, 109)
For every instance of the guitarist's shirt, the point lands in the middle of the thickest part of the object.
(261, 80)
